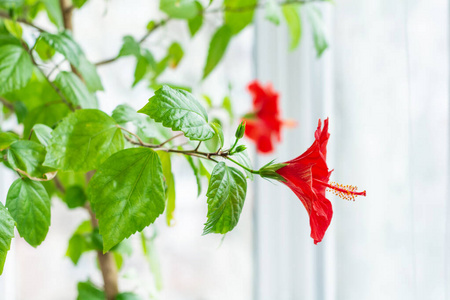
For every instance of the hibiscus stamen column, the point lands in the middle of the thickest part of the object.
(346, 192)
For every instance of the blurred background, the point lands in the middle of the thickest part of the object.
(384, 84)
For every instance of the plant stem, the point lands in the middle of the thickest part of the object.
(242, 166)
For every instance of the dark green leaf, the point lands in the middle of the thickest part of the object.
(315, 18)
(83, 140)
(88, 291)
(127, 193)
(6, 139)
(48, 114)
(195, 23)
(6, 234)
(43, 133)
(180, 111)
(217, 48)
(127, 296)
(79, 243)
(292, 17)
(141, 70)
(74, 90)
(239, 13)
(20, 110)
(75, 196)
(170, 184)
(226, 195)
(16, 68)
(27, 158)
(28, 203)
(179, 9)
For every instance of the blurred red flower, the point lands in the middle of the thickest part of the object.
(264, 122)
(308, 177)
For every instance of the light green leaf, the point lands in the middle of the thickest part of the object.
(141, 70)
(13, 27)
(243, 158)
(27, 158)
(195, 23)
(170, 185)
(88, 291)
(314, 16)
(227, 105)
(226, 195)
(151, 255)
(127, 296)
(127, 194)
(28, 203)
(180, 111)
(273, 12)
(78, 243)
(217, 48)
(292, 17)
(78, 3)
(6, 139)
(196, 174)
(130, 47)
(6, 234)
(74, 90)
(217, 141)
(179, 9)
(83, 140)
(43, 133)
(16, 68)
(175, 53)
(65, 44)
(54, 13)
(239, 13)
(44, 50)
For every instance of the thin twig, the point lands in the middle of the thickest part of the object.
(21, 20)
(7, 104)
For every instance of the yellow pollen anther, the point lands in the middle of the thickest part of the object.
(346, 192)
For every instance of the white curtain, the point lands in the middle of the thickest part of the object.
(384, 85)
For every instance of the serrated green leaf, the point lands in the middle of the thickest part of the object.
(6, 139)
(314, 16)
(16, 68)
(195, 23)
(75, 196)
(292, 17)
(127, 193)
(44, 50)
(239, 13)
(179, 9)
(65, 44)
(226, 195)
(47, 114)
(54, 12)
(74, 90)
(88, 291)
(6, 234)
(83, 140)
(273, 12)
(217, 48)
(28, 203)
(179, 110)
(170, 184)
(43, 133)
(27, 158)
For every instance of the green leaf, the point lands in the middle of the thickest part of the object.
(43, 133)
(315, 18)
(127, 194)
(243, 158)
(217, 48)
(75, 196)
(179, 9)
(6, 139)
(83, 140)
(217, 141)
(226, 196)
(48, 114)
(44, 50)
(130, 47)
(170, 184)
(64, 44)
(239, 13)
(196, 174)
(16, 68)
(54, 13)
(180, 111)
(28, 203)
(195, 23)
(78, 3)
(78, 243)
(175, 53)
(227, 105)
(127, 296)
(6, 234)
(273, 12)
(141, 70)
(151, 255)
(27, 158)
(74, 90)
(13, 27)
(292, 17)
(88, 291)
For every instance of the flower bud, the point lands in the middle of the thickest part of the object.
(240, 130)
(240, 148)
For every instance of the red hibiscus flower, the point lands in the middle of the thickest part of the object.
(264, 123)
(308, 177)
